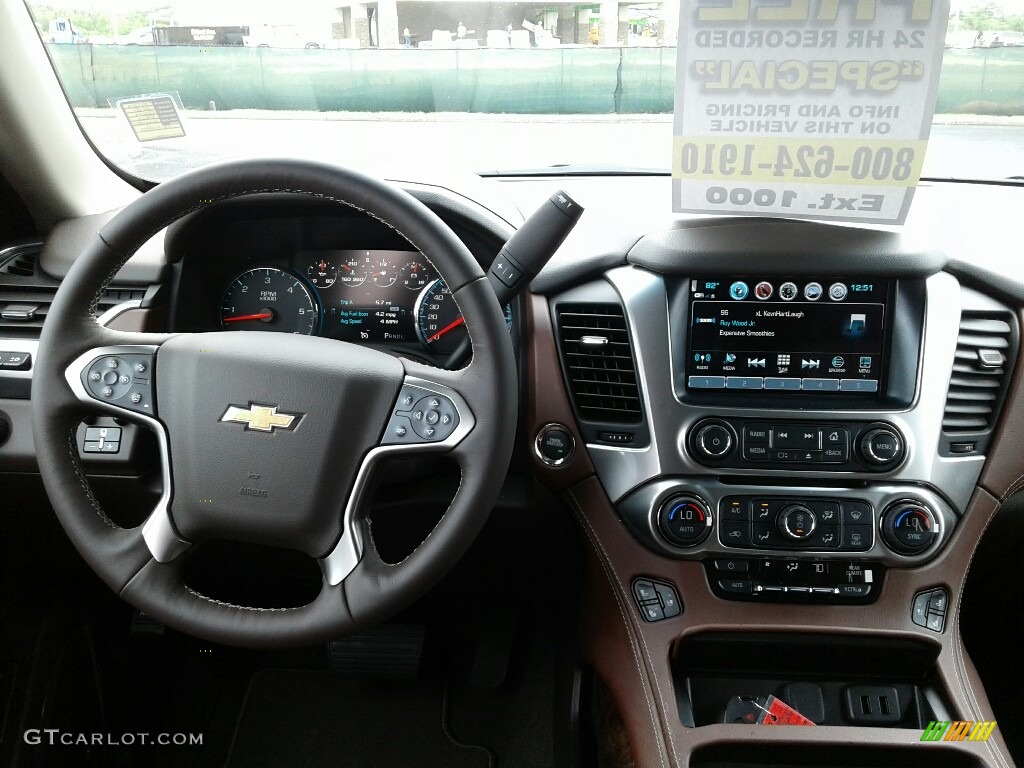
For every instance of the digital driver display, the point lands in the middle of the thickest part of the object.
(786, 335)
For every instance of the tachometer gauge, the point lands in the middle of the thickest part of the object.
(382, 272)
(439, 322)
(415, 275)
(322, 273)
(352, 271)
(269, 299)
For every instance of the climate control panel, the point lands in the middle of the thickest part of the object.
(891, 525)
(845, 446)
(806, 524)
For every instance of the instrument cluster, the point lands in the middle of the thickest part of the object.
(361, 296)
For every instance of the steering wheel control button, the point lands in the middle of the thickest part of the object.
(909, 527)
(421, 416)
(881, 447)
(794, 580)
(684, 520)
(555, 445)
(116, 379)
(657, 600)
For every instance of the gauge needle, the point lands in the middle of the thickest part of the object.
(450, 327)
(242, 318)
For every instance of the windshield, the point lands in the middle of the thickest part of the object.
(162, 86)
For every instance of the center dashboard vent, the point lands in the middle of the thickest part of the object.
(598, 361)
(977, 383)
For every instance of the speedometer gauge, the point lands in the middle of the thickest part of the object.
(268, 299)
(439, 321)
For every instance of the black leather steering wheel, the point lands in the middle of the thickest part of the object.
(269, 438)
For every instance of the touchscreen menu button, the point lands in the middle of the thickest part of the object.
(790, 385)
(821, 385)
(707, 382)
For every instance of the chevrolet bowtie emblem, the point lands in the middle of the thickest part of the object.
(263, 418)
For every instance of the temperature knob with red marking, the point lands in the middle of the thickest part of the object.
(685, 520)
(909, 527)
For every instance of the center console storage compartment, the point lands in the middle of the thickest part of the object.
(741, 755)
(830, 679)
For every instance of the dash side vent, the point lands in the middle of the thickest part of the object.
(598, 361)
(26, 293)
(976, 385)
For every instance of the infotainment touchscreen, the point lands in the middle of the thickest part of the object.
(786, 335)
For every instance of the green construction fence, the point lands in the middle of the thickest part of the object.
(586, 80)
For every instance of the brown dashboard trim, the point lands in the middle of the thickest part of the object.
(548, 401)
(634, 658)
(1004, 471)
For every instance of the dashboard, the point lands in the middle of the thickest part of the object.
(306, 269)
(782, 413)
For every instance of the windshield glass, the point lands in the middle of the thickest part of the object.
(162, 86)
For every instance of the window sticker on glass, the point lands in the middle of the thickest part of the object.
(815, 109)
(152, 117)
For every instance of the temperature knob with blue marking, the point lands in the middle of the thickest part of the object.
(909, 527)
(685, 520)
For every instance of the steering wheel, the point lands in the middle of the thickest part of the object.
(270, 438)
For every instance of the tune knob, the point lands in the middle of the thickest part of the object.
(909, 527)
(881, 446)
(714, 441)
(797, 522)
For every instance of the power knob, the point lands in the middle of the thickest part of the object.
(714, 441)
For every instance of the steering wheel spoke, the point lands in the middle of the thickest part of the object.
(120, 379)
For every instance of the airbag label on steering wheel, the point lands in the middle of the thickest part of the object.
(815, 109)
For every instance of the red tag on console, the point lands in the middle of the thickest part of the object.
(778, 712)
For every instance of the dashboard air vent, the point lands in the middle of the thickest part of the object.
(26, 293)
(598, 362)
(979, 372)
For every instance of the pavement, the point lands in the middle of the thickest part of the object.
(961, 146)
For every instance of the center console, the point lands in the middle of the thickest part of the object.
(786, 494)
